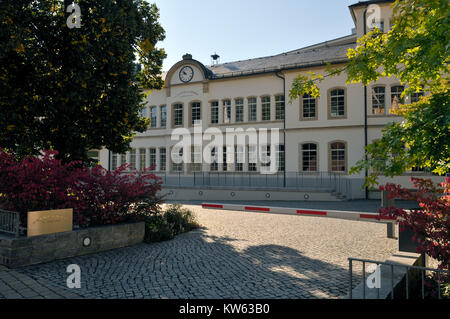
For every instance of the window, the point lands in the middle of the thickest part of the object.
(379, 24)
(265, 105)
(196, 114)
(279, 107)
(163, 116)
(265, 158)
(415, 97)
(114, 157)
(196, 158)
(309, 157)
(142, 159)
(133, 159)
(152, 158)
(162, 159)
(224, 159)
(252, 158)
(239, 158)
(178, 114)
(227, 111)
(378, 100)
(123, 159)
(214, 167)
(178, 167)
(338, 157)
(308, 110)
(252, 107)
(144, 112)
(281, 158)
(214, 112)
(396, 96)
(337, 103)
(153, 116)
(239, 110)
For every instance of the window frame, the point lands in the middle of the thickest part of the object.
(330, 91)
(266, 106)
(163, 116)
(330, 156)
(375, 94)
(174, 112)
(239, 110)
(217, 111)
(301, 157)
(302, 108)
(280, 107)
(252, 107)
(198, 111)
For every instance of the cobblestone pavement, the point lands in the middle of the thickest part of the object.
(234, 255)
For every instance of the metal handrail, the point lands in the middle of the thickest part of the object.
(392, 265)
(10, 222)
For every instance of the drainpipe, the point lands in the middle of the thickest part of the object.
(365, 115)
(284, 127)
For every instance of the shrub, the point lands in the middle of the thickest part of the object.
(158, 229)
(97, 196)
(430, 223)
(115, 197)
(173, 221)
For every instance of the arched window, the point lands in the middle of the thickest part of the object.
(177, 115)
(396, 96)
(378, 100)
(338, 157)
(308, 110)
(337, 103)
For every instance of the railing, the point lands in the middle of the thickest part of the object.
(10, 222)
(403, 272)
(336, 182)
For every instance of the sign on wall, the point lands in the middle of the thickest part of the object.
(49, 222)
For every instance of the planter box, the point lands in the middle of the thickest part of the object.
(23, 251)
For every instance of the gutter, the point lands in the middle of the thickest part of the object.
(366, 173)
(284, 126)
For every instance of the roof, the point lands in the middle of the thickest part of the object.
(366, 3)
(334, 51)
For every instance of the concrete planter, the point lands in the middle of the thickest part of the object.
(17, 252)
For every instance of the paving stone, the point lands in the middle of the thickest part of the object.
(235, 255)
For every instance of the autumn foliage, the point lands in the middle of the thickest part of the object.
(97, 196)
(430, 223)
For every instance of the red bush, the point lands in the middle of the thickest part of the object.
(97, 196)
(430, 223)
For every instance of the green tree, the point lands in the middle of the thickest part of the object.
(75, 89)
(416, 52)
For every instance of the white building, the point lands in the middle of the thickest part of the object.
(320, 139)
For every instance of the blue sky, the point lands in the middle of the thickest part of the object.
(245, 29)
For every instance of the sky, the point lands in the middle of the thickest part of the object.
(245, 29)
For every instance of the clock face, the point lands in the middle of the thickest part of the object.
(186, 74)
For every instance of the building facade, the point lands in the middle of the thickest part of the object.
(319, 139)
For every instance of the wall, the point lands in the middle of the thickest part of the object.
(23, 251)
